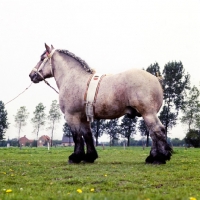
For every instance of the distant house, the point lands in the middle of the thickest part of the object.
(67, 141)
(43, 140)
(24, 141)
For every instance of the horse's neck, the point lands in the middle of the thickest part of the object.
(68, 71)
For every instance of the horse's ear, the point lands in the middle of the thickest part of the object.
(52, 47)
(47, 48)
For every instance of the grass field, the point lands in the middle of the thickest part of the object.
(36, 173)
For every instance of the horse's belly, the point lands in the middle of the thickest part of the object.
(110, 106)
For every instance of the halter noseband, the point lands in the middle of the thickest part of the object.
(43, 63)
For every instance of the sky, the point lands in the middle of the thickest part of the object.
(111, 36)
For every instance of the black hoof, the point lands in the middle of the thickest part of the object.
(90, 157)
(149, 159)
(75, 158)
(158, 159)
(72, 162)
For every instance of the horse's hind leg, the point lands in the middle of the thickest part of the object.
(91, 153)
(160, 150)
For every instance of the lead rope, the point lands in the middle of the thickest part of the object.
(28, 88)
(19, 94)
(50, 86)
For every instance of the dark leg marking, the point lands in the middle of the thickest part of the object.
(91, 153)
(160, 150)
(79, 152)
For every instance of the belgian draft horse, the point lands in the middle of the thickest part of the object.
(134, 92)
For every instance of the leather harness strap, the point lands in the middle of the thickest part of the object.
(88, 83)
(91, 95)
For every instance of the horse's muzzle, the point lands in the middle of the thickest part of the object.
(34, 77)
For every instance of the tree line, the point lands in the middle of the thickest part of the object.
(38, 120)
(178, 97)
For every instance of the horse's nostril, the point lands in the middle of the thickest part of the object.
(33, 76)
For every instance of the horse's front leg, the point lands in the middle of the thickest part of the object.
(75, 126)
(160, 150)
(79, 152)
(91, 153)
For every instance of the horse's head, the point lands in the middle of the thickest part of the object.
(43, 69)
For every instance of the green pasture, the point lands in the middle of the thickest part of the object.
(118, 173)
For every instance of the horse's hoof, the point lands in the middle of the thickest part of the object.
(156, 162)
(158, 159)
(149, 160)
(72, 162)
(85, 161)
(75, 158)
(90, 157)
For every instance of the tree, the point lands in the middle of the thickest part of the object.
(67, 131)
(54, 117)
(97, 127)
(128, 128)
(197, 119)
(14, 142)
(39, 118)
(193, 138)
(3, 121)
(177, 142)
(191, 108)
(154, 69)
(20, 119)
(168, 118)
(144, 130)
(175, 83)
(112, 129)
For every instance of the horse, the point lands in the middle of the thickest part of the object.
(134, 92)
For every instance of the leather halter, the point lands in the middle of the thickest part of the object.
(49, 56)
(43, 63)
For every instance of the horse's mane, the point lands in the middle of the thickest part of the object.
(82, 62)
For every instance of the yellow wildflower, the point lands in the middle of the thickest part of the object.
(105, 175)
(193, 198)
(8, 191)
(92, 190)
(79, 190)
